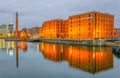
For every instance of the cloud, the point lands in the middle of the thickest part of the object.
(34, 12)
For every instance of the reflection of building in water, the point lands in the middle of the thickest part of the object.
(17, 54)
(10, 48)
(88, 59)
(91, 60)
(23, 45)
(51, 51)
(2, 43)
(7, 46)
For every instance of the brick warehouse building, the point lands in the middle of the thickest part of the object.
(54, 29)
(33, 32)
(89, 25)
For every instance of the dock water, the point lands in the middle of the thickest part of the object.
(86, 42)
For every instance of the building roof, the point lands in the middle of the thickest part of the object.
(90, 12)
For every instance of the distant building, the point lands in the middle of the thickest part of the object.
(116, 32)
(23, 33)
(6, 30)
(33, 32)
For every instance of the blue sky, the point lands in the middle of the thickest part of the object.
(33, 13)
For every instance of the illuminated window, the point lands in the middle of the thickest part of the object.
(89, 24)
(98, 24)
(89, 29)
(89, 33)
(98, 15)
(98, 19)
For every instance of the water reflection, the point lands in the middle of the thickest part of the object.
(17, 55)
(8, 47)
(22, 46)
(90, 59)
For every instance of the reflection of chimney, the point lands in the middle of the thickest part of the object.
(17, 57)
(16, 32)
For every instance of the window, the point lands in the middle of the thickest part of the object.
(98, 24)
(89, 29)
(89, 24)
(89, 17)
(89, 33)
(98, 20)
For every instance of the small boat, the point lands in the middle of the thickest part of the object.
(116, 50)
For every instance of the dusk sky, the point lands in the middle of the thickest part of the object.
(33, 13)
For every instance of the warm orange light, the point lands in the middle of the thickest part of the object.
(88, 59)
(100, 25)
(23, 34)
(23, 45)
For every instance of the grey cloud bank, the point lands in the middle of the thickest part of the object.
(34, 12)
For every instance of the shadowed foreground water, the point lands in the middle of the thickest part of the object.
(45, 60)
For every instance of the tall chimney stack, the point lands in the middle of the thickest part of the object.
(16, 32)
